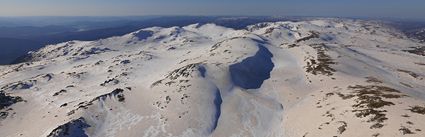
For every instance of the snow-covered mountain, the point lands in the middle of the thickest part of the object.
(324, 77)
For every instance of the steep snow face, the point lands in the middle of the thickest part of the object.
(324, 77)
(252, 71)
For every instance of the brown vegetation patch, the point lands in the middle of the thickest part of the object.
(370, 100)
(417, 109)
(184, 71)
(343, 127)
(321, 65)
(373, 80)
(405, 130)
(177, 76)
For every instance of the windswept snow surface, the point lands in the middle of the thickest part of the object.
(324, 77)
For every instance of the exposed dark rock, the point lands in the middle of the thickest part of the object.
(183, 71)
(94, 50)
(70, 86)
(293, 45)
(125, 62)
(74, 128)
(343, 127)
(99, 62)
(3, 115)
(418, 109)
(59, 92)
(75, 74)
(118, 93)
(6, 100)
(416, 50)
(115, 93)
(128, 88)
(120, 97)
(171, 48)
(167, 99)
(376, 135)
(112, 81)
(311, 36)
(64, 105)
(156, 83)
(48, 77)
(19, 85)
(405, 130)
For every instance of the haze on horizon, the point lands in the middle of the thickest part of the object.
(341, 8)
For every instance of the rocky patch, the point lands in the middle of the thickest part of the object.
(6, 100)
(312, 35)
(417, 50)
(117, 93)
(74, 128)
(321, 64)
(19, 85)
(417, 109)
(370, 101)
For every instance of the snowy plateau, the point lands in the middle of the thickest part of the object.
(312, 78)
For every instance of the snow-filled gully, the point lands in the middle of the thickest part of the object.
(248, 74)
(217, 103)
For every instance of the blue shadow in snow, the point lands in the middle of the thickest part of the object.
(217, 103)
(252, 71)
(202, 70)
(143, 34)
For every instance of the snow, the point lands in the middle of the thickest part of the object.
(209, 80)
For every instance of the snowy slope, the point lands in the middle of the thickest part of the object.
(325, 77)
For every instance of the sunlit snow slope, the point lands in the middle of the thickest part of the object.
(325, 77)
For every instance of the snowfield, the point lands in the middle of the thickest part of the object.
(324, 77)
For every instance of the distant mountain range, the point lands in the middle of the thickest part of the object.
(37, 32)
(96, 29)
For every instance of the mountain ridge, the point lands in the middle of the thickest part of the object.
(302, 78)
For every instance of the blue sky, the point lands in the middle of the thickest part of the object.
(346, 8)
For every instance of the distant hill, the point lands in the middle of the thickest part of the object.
(29, 31)
(11, 48)
(412, 29)
(36, 37)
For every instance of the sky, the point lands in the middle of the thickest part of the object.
(334, 8)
